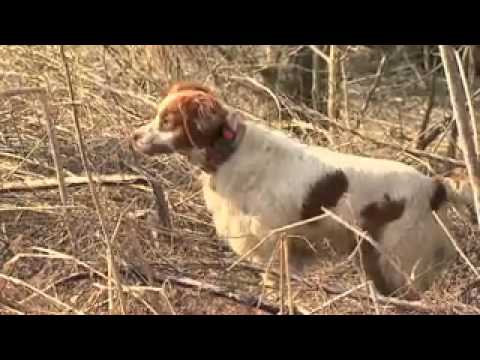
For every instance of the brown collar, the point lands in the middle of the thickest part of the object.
(224, 147)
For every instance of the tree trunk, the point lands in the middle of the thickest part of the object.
(303, 62)
(458, 95)
(271, 54)
(452, 144)
(319, 87)
(334, 81)
(316, 82)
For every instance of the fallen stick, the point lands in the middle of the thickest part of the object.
(248, 300)
(51, 299)
(408, 305)
(161, 202)
(52, 183)
(223, 292)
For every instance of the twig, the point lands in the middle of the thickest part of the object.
(426, 140)
(112, 242)
(338, 297)
(162, 208)
(281, 290)
(373, 294)
(272, 233)
(93, 192)
(413, 152)
(469, 287)
(161, 291)
(161, 202)
(412, 66)
(144, 302)
(28, 161)
(244, 299)
(320, 53)
(422, 142)
(21, 91)
(72, 277)
(41, 293)
(376, 83)
(409, 305)
(12, 306)
(57, 161)
(385, 300)
(266, 271)
(50, 131)
(455, 245)
(263, 88)
(52, 254)
(291, 310)
(370, 284)
(37, 208)
(51, 183)
(52, 137)
(372, 242)
(24, 160)
(100, 82)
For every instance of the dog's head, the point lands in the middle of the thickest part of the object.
(190, 117)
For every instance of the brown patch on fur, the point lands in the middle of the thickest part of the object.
(326, 192)
(439, 196)
(377, 214)
(374, 218)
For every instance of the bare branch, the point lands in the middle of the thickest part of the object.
(376, 83)
(98, 207)
(320, 53)
(334, 80)
(458, 94)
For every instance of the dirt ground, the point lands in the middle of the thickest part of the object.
(54, 256)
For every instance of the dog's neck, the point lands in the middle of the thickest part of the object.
(232, 134)
(255, 148)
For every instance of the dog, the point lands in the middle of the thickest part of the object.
(256, 179)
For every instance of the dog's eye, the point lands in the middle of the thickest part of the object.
(168, 122)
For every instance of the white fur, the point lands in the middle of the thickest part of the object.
(263, 186)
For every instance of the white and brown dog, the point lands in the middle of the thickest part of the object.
(257, 179)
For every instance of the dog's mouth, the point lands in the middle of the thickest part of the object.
(150, 149)
(140, 146)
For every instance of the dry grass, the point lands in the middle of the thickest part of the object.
(54, 256)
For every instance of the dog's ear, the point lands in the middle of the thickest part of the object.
(204, 116)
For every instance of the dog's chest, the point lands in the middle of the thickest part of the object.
(253, 199)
